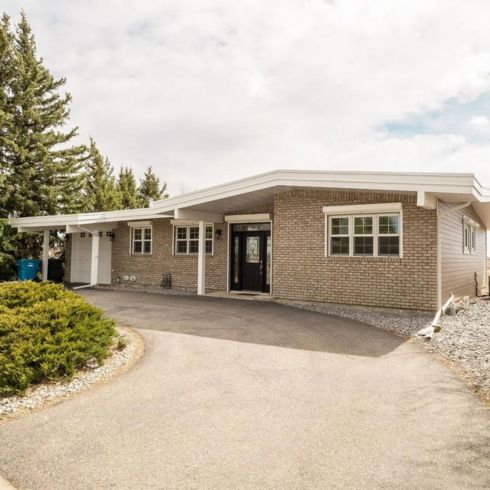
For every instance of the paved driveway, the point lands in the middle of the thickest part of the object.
(240, 394)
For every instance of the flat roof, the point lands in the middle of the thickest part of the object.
(251, 191)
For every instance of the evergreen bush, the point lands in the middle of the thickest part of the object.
(47, 333)
(7, 267)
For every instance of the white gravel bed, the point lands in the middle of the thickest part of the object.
(464, 339)
(142, 288)
(39, 395)
(404, 323)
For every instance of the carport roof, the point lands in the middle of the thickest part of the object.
(259, 189)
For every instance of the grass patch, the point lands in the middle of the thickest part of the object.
(47, 333)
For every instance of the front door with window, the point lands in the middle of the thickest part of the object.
(250, 257)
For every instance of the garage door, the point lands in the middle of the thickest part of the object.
(81, 258)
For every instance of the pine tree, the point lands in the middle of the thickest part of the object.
(150, 189)
(101, 189)
(127, 188)
(44, 173)
(7, 73)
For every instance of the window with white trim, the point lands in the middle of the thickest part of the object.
(373, 235)
(186, 239)
(141, 241)
(389, 235)
(469, 235)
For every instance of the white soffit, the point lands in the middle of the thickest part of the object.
(389, 207)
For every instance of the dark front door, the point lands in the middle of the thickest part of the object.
(250, 257)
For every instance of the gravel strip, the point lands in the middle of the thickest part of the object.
(142, 288)
(464, 340)
(404, 323)
(39, 395)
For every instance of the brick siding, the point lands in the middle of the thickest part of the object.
(300, 269)
(148, 269)
(302, 272)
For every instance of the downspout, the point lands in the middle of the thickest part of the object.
(441, 213)
(91, 284)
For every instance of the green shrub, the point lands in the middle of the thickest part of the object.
(47, 333)
(7, 267)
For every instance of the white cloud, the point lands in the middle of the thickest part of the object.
(480, 121)
(211, 91)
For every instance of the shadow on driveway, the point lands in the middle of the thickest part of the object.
(258, 322)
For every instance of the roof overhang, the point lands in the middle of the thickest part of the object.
(259, 190)
(72, 223)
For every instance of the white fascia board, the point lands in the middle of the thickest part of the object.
(85, 219)
(247, 218)
(449, 183)
(389, 207)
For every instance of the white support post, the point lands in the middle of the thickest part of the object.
(94, 264)
(201, 259)
(45, 255)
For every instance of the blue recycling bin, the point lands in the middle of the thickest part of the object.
(27, 269)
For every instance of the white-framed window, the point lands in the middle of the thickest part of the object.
(388, 235)
(363, 235)
(469, 235)
(141, 240)
(366, 235)
(186, 239)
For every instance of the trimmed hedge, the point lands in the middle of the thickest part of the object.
(47, 333)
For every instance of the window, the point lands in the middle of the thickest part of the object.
(187, 240)
(141, 240)
(339, 236)
(469, 235)
(363, 235)
(389, 235)
(375, 235)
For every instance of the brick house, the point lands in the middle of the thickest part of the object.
(401, 240)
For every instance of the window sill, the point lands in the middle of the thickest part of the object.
(362, 258)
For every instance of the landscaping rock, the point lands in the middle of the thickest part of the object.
(400, 322)
(464, 340)
(39, 395)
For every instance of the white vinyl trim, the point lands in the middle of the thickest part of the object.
(393, 207)
(139, 224)
(248, 218)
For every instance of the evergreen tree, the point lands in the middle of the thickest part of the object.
(44, 173)
(7, 73)
(101, 189)
(127, 188)
(150, 189)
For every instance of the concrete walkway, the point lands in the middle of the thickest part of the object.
(239, 394)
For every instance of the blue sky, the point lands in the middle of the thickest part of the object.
(467, 118)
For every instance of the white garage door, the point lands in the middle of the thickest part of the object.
(81, 257)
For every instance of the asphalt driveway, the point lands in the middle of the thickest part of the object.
(241, 394)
